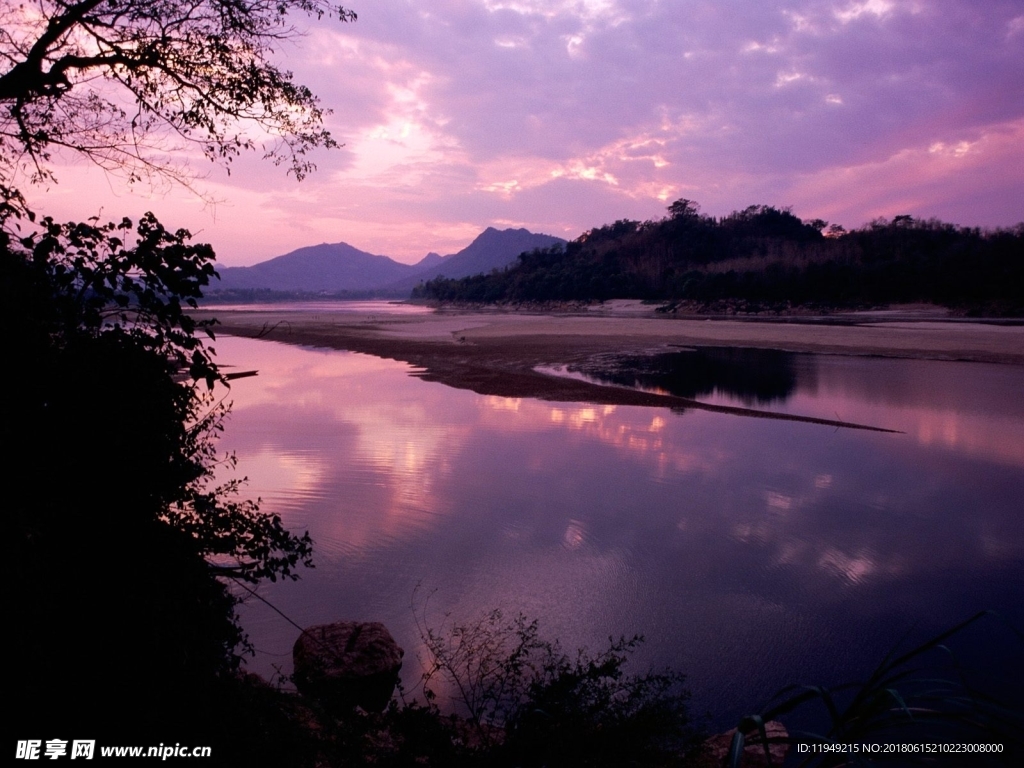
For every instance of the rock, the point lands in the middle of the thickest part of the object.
(716, 749)
(347, 664)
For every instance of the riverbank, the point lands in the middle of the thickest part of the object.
(497, 352)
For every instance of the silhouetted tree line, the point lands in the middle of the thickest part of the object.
(765, 256)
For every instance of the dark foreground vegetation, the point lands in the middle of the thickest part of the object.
(124, 547)
(496, 693)
(765, 259)
(124, 552)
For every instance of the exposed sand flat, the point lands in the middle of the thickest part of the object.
(634, 326)
(497, 352)
(951, 341)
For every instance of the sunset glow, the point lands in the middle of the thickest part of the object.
(560, 117)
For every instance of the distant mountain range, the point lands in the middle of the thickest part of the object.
(340, 269)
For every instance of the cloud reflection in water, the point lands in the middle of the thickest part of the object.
(751, 552)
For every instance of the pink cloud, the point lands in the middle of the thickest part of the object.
(561, 116)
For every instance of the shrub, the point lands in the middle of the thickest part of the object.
(528, 703)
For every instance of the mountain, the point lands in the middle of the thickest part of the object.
(338, 268)
(329, 267)
(430, 260)
(492, 249)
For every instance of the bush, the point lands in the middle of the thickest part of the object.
(528, 703)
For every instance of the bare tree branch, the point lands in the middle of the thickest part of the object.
(127, 83)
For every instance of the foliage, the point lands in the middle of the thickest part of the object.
(126, 83)
(490, 665)
(100, 293)
(528, 703)
(120, 531)
(765, 257)
(517, 700)
(588, 711)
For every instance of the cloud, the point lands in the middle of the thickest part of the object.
(565, 115)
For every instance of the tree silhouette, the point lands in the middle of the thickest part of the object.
(122, 537)
(684, 209)
(126, 83)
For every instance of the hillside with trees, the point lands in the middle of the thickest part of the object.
(764, 259)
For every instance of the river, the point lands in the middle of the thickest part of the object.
(751, 553)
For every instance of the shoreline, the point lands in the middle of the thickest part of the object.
(497, 352)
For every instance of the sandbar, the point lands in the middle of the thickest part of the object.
(497, 352)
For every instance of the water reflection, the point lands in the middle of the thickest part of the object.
(326, 306)
(327, 447)
(750, 376)
(752, 553)
(971, 407)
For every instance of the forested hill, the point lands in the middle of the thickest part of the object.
(764, 257)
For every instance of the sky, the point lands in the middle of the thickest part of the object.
(564, 115)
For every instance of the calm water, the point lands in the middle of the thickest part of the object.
(751, 553)
(334, 306)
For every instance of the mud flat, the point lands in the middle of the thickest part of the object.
(496, 352)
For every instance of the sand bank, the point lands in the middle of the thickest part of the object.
(496, 352)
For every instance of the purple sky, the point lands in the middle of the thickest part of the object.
(562, 116)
